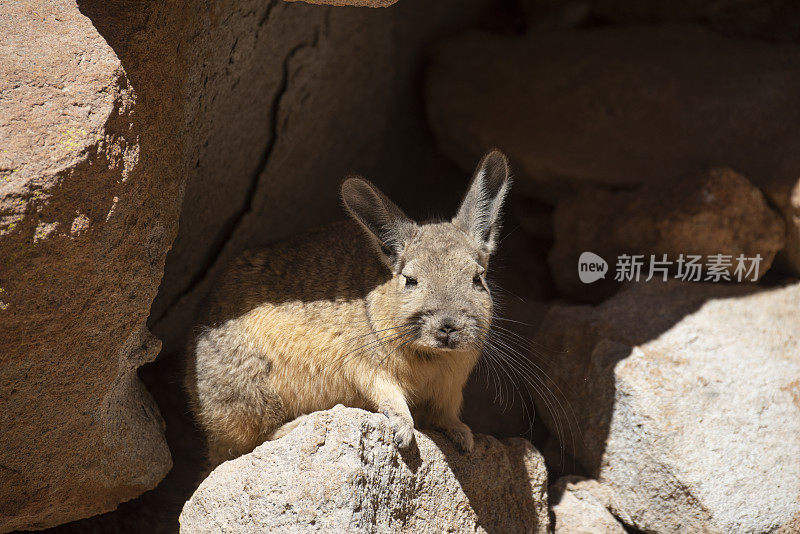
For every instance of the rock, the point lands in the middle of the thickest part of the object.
(622, 106)
(687, 397)
(88, 208)
(549, 15)
(340, 471)
(578, 506)
(666, 11)
(357, 3)
(775, 20)
(719, 213)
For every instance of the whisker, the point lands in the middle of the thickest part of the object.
(498, 318)
(535, 370)
(524, 339)
(511, 374)
(496, 287)
(512, 348)
(342, 359)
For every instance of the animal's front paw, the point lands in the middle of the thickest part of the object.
(461, 435)
(402, 428)
(404, 436)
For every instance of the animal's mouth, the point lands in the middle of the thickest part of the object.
(448, 344)
(443, 344)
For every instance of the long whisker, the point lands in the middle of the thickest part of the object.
(526, 340)
(542, 389)
(498, 318)
(512, 348)
(401, 333)
(511, 374)
(492, 373)
(534, 370)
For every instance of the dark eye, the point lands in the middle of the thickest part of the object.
(477, 281)
(410, 282)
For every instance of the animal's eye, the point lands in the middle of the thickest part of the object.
(410, 282)
(477, 281)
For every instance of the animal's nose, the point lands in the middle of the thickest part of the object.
(446, 328)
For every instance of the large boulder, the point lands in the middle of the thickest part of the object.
(720, 212)
(86, 218)
(340, 471)
(686, 397)
(623, 106)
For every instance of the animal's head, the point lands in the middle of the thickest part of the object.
(438, 283)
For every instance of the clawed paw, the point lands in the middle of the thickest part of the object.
(403, 430)
(461, 435)
(404, 437)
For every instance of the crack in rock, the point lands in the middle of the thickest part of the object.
(229, 228)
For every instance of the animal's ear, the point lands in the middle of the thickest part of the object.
(480, 211)
(380, 217)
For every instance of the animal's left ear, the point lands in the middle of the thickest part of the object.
(480, 211)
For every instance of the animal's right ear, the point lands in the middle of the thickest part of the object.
(479, 214)
(380, 217)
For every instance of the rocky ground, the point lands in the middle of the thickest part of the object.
(144, 146)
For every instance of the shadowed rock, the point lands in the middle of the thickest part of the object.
(623, 106)
(686, 396)
(719, 212)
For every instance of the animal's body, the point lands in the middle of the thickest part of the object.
(378, 313)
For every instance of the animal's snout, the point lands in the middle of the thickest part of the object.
(447, 328)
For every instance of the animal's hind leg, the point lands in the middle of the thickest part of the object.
(235, 432)
(231, 436)
(233, 399)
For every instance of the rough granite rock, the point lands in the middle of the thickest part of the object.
(88, 207)
(687, 397)
(357, 3)
(718, 213)
(340, 471)
(580, 506)
(622, 106)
